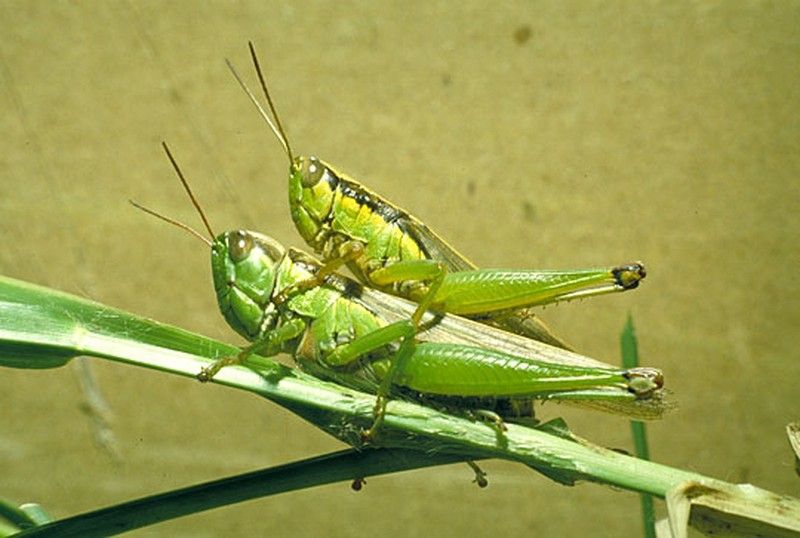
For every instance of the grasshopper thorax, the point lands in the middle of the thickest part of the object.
(244, 266)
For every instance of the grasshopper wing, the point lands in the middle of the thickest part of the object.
(436, 247)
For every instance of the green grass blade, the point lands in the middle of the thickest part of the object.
(15, 515)
(630, 359)
(47, 327)
(335, 467)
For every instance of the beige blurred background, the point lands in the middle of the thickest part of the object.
(546, 134)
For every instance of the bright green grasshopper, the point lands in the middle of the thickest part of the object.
(391, 250)
(334, 331)
(364, 339)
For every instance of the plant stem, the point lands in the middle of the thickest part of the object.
(45, 328)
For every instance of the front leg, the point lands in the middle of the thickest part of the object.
(349, 251)
(267, 345)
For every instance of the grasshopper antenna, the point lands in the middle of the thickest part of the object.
(196, 204)
(275, 126)
(263, 82)
(172, 221)
(188, 190)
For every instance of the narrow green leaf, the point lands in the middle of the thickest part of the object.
(43, 323)
(330, 468)
(630, 359)
(36, 513)
(15, 515)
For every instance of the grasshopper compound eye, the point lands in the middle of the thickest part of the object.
(239, 245)
(312, 171)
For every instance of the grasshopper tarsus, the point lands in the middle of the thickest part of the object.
(629, 275)
(491, 418)
(205, 375)
(644, 381)
(480, 475)
(368, 436)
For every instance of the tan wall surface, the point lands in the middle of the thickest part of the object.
(549, 135)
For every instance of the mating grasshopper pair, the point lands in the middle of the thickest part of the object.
(287, 301)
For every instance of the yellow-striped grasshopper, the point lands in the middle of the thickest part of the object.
(388, 249)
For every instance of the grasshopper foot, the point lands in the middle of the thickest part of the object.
(480, 474)
(491, 418)
(379, 412)
(628, 276)
(644, 381)
(208, 372)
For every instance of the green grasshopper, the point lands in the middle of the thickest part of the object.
(388, 249)
(366, 340)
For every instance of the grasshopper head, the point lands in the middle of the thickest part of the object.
(244, 266)
(311, 192)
